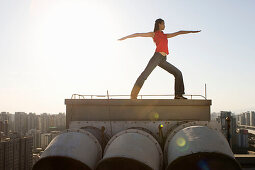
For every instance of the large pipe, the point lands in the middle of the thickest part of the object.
(199, 147)
(100, 134)
(73, 149)
(132, 149)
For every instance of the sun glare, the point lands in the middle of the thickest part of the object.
(73, 27)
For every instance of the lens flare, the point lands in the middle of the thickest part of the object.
(156, 115)
(181, 142)
(202, 164)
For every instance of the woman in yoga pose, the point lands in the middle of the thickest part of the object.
(159, 58)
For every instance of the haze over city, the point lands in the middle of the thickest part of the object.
(52, 49)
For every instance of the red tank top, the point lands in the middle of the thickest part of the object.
(161, 42)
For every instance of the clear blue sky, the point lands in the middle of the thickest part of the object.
(51, 49)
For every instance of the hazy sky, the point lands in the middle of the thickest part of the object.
(51, 49)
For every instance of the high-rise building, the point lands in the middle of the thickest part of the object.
(45, 139)
(61, 121)
(44, 122)
(1, 155)
(36, 134)
(1, 126)
(252, 119)
(26, 155)
(6, 116)
(243, 120)
(57, 121)
(28, 152)
(223, 122)
(6, 128)
(16, 153)
(247, 118)
(8, 154)
(241, 141)
(20, 120)
(32, 121)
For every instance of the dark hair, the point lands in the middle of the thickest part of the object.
(157, 22)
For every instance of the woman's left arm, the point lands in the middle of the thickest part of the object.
(180, 32)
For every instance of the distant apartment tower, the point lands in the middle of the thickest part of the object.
(61, 121)
(57, 121)
(45, 139)
(20, 120)
(4, 127)
(1, 126)
(243, 120)
(36, 134)
(6, 148)
(44, 122)
(223, 115)
(247, 118)
(32, 121)
(224, 125)
(6, 116)
(252, 118)
(16, 154)
(241, 141)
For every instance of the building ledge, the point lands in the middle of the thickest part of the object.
(136, 110)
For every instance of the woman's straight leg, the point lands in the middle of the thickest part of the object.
(179, 85)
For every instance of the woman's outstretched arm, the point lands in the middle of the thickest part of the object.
(149, 34)
(180, 32)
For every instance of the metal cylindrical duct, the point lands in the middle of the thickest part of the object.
(73, 149)
(100, 134)
(199, 147)
(132, 149)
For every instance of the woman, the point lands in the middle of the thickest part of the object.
(159, 58)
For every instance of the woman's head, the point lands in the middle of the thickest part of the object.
(159, 25)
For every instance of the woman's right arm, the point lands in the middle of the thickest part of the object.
(149, 34)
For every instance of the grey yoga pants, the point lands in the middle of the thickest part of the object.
(159, 60)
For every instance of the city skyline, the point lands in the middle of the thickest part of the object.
(218, 113)
(52, 49)
(26, 135)
(32, 112)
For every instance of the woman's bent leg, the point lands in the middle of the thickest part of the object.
(179, 85)
(154, 61)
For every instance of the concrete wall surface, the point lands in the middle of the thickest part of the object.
(134, 110)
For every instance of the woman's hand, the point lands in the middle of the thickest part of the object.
(123, 38)
(195, 31)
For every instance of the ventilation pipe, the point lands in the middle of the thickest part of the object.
(198, 147)
(73, 149)
(132, 149)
